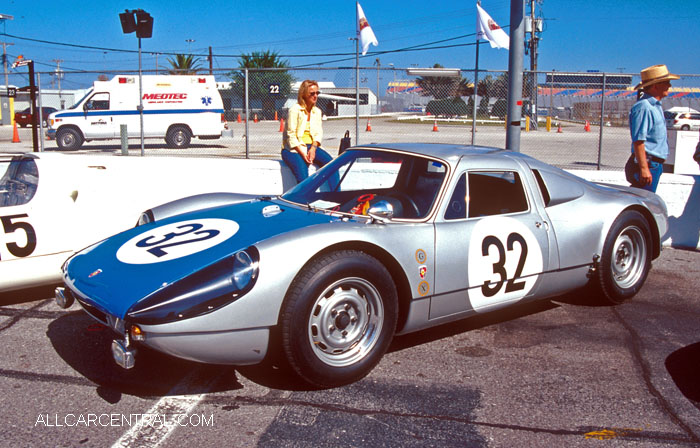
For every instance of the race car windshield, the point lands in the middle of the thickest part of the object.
(359, 179)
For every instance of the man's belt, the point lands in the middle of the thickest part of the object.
(655, 159)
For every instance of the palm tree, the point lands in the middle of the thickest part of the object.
(264, 85)
(441, 87)
(183, 64)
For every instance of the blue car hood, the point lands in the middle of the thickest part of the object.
(116, 273)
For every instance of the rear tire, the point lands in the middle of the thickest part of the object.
(69, 139)
(178, 137)
(685, 127)
(626, 258)
(338, 318)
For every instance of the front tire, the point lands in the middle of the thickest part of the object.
(338, 318)
(69, 139)
(178, 137)
(626, 258)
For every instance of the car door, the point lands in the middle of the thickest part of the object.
(99, 121)
(492, 243)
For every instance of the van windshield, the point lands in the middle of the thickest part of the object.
(80, 100)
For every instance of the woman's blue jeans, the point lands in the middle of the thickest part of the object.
(299, 167)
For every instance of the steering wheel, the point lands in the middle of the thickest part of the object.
(407, 201)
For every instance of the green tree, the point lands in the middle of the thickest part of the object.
(183, 64)
(441, 87)
(264, 85)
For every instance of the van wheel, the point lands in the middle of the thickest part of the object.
(178, 137)
(69, 139)
(685, 127)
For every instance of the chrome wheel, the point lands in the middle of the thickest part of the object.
(345, 322)
(629, 257)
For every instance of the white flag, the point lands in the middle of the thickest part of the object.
(487, 28)
(366, 34)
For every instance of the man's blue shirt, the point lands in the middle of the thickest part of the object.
(647, 124)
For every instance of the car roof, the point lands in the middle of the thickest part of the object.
(438, 150)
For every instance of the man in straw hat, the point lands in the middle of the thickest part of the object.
(648, 129)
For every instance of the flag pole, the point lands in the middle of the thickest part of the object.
(357, 74)
(476, 83)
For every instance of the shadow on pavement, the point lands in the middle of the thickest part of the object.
(85, 346)
(684, 367)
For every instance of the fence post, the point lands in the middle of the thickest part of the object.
(602, 114)
(40, 113)
(124, 134)
(247, 128)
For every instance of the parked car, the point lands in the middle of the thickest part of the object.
(53, 204)
(24, 118)
(383, 240)
(682, 118)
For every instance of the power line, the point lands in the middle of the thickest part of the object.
(307, 55)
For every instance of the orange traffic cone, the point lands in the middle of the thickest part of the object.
(282, 125)
(255, 118)
(15, 134)
(587, 126)
(559, 131)
(369, 126)
(238, 119)
(276, 116)
(435, 129)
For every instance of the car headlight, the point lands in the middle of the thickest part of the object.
(244, 269)
(145, 218)
(202, 292)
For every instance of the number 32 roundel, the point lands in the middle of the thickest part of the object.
(504, 260)
(176, 240)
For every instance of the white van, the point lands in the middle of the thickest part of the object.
(175, 107)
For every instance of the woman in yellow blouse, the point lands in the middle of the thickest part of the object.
(301, 140)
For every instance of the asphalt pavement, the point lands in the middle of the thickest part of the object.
(562, 372)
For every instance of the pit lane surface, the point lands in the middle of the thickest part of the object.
(553, 373)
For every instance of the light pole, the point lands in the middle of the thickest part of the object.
(140, 21)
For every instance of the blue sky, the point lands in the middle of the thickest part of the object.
(611, 36)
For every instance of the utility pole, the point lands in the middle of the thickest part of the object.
(379, 65)
(211, 62)
(515, 74)
(532, 46)
(4, 59)
(5, 105)
(59, 75)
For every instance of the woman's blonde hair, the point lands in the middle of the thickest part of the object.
(304, 90)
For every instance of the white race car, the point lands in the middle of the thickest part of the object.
(52, 205)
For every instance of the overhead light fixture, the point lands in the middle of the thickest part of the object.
(435, 72)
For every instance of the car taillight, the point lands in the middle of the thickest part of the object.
(223, 118)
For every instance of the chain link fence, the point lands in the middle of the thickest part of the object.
(572, 120)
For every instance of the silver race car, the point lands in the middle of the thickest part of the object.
(384, 240)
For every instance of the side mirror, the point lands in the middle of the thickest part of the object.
(382, 211)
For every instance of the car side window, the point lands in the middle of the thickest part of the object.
(457, 206)
(99, 101)
(18, 181)
(495, 193)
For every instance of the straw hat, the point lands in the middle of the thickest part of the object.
(655, 73)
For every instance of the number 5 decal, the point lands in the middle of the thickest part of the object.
(10, 226)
